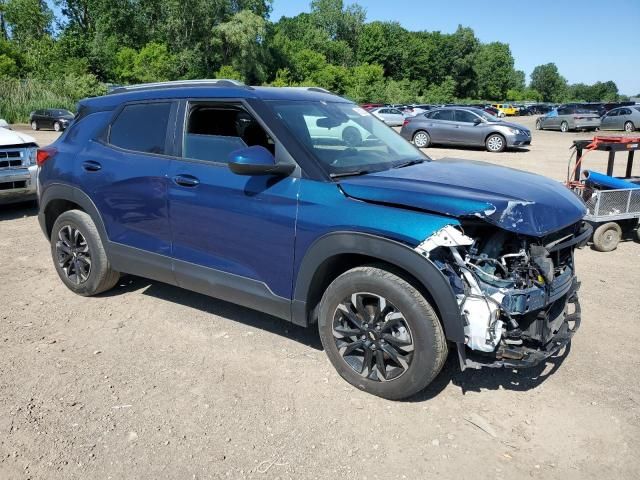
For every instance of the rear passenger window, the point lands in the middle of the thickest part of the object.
(141, 127)
(215, 130)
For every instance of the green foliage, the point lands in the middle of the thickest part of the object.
(331, 46)
(547, 80)
(20, 97)
(494, 70)
(229, 73)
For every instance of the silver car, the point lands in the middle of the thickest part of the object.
(391, 116)
(568, 117)
(621, 118)
(464, 126)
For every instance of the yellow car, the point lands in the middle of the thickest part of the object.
(506, 108)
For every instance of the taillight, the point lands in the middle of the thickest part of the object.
(45, 154)
(406, 122)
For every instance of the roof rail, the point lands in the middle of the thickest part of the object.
(214, 82)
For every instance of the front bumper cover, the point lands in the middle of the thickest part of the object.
(18, 184)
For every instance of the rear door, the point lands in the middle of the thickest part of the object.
(441, 124)
(125, 174)
(232, 234)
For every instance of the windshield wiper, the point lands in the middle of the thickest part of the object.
(408, 163)
(353, 173)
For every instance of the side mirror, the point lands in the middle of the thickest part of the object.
(477, 121)
(257, 160)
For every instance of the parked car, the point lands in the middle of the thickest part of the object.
(566, 118)
(17, 166)
(350, 132)
(369, 106)
(493, 111)
(56, 119)
(541, 108)
(464, 126)
(524, 110)
(621, 118)
(363, 242)
(4, 124)
(391, 116)
(506, 108)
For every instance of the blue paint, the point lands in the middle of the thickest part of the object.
(261, 226)
(517, 201)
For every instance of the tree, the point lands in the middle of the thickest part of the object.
(384, 43)
(367, 84)
(241, 41)
(548, 82)
(494, 70)
(27, 20)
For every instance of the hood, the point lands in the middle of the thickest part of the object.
(514, 200)
(68, 118)
(9, 137)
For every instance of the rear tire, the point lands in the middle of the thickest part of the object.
(607, 237)
(371, 321)
(495, 143)
(564, 127)
(629, 127)
(421, 139)
(79, 256)
(34, 126)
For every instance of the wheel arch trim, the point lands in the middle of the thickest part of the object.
(61, 191)
(388, 251)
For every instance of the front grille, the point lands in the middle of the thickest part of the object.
(10, 163)
(13, 158)
(13, 185)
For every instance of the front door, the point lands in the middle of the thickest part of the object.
(466, 131)
(233, 235)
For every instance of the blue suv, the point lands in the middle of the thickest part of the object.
(300, 204)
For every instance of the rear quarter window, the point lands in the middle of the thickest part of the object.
(141, 127)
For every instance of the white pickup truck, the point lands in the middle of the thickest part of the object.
(18, 167)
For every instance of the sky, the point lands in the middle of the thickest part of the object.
(588, 40)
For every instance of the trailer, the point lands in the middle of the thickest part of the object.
(613, 203)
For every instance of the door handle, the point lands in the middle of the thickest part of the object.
(186, 180)
(91, 166)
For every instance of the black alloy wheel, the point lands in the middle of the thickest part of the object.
(73, 254)
(373, 337)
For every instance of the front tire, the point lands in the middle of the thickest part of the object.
(79, 256)
(421, 139)
(495, 143)
(538, 125)
(380, 333)
(564, 127)
(629, 127)
(57, 127)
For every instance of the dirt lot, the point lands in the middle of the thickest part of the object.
(151, 381)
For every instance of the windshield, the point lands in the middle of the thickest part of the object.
(487, 116)
(346, 139)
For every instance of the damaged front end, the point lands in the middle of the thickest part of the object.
(517, 294)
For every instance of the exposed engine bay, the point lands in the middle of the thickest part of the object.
(517, 294)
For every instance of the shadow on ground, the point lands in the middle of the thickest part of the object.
(519, 380)
(214, 306)
(18, 210)
(469, 380)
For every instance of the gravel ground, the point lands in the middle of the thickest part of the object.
(150, 381)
